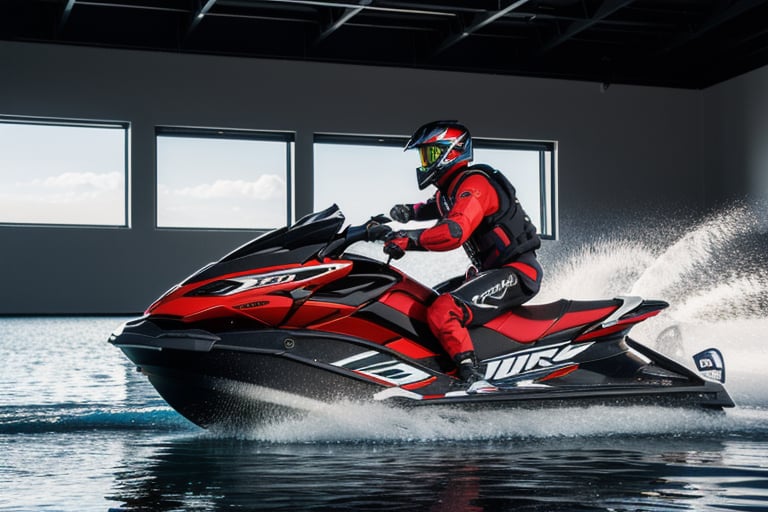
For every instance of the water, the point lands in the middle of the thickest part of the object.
(81, 430)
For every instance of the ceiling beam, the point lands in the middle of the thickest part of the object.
(349, 13)
(716, 18)
(199, 14)
(479, 22)
(607, 8)
(65, 15)
(427, 10)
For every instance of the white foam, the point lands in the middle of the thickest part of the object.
(376, 422)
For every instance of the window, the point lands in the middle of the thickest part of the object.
(223, 179)
(363, 175)
(367, 175)
(530, 166)
(63, 172)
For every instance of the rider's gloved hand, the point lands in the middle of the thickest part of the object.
(377, 232)
(395, 247)
(402, 212)
(399, 241)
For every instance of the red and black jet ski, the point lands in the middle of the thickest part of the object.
(290, 319)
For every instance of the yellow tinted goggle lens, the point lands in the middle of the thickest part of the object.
(429, 154)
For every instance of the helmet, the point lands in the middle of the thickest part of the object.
(444, 146)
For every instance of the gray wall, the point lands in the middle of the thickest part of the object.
(735, 135)
(637, 150)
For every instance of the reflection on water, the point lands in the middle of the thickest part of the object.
(624, 473)
(47, 362)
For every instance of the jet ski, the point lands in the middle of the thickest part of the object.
(291, 321)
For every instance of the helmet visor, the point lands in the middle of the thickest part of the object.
(429, 154)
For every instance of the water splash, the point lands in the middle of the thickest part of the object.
(596, 271)
(708, 271)
(374, 422)
(713, 276)
(697, 251)
(711, 263)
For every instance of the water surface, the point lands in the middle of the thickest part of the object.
(80, 429)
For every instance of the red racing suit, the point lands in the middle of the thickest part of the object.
(477, 208)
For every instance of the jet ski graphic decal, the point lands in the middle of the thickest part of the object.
(382, 367)
(561, 354)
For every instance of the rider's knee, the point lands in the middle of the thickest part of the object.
(446, 309)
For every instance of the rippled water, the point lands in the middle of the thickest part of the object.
(81, 430)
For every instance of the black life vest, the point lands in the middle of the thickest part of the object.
(502, 237)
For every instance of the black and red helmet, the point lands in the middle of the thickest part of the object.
(444, 146)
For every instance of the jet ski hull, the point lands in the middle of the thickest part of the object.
(246, 378)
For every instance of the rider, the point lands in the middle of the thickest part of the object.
(475, 206)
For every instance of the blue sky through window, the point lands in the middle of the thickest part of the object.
(221, 183)
(58, 174)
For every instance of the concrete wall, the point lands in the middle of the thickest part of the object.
(625, 152)
(735, 135)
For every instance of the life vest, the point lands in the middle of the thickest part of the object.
(502, 237)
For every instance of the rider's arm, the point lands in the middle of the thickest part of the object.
(427, 210)
(420, 211)
(475, 199)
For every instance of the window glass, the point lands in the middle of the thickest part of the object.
(521, 167)
(229, 180)
(364, 180)
(56, 172)
(366, 176)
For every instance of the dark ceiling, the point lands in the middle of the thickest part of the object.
(677, 43)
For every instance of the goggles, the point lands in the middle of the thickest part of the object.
(429, 155)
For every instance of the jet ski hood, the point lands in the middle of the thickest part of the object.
(292, 244)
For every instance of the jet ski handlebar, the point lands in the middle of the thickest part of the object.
(374, 229)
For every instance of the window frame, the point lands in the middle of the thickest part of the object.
(81, 123)
(287, 137)
(547, 165)
(547, 178)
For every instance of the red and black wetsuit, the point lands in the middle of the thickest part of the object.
(477, 208)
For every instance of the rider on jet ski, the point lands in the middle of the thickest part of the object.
(476, 206)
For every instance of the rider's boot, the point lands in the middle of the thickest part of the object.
(471, 375)
(469, 370)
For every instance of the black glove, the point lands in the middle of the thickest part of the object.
(397, 242)
(377, 231)
(393, 250)
(402, 212)
(374, 229)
